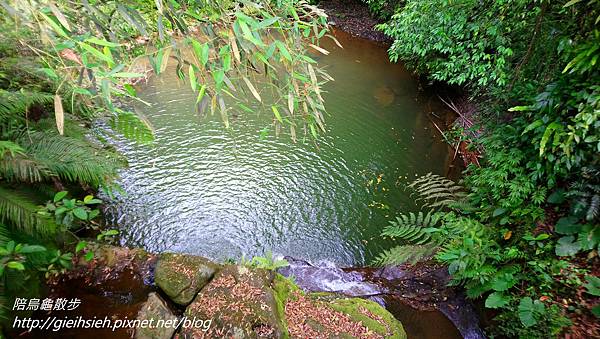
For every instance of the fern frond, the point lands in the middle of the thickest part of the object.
(436, 191)
(14, 104)
(406, 253)
(412, 227)
(593, 208)
(70, 159)
(133, 126)
(19, 210)
(21, 168)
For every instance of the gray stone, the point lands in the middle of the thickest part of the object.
(156, 310)
(181, 276)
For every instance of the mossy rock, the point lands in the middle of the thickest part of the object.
(241, 304)
(332, 315)
(181, 276)
(155, 309)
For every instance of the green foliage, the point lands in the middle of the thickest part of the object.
(235, 45)
(267, 262)
(69, 211)
(383, 9)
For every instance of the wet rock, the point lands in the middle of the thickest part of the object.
(156, 312)
(240, 303)
(324, 277)
(423, 287)
(181, 276)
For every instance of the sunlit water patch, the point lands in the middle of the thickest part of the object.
(206, 190)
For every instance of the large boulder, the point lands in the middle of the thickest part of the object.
(162, 323)
(239, 303)
(330, 315)
(181, 276)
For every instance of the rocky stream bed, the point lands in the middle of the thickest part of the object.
(300, 301)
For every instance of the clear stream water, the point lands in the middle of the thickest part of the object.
(206, 190)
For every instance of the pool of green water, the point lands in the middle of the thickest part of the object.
(226, 193)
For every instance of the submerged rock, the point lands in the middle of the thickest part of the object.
(164, 322)
(181, 276)
(240, 303)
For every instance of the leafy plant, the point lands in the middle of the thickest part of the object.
(68, 211)
(268, 262)
(13, 255)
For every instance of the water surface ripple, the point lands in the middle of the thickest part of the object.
(221, 193)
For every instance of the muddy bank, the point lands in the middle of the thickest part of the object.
(353, 17)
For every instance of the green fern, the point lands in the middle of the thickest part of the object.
(70, 159)
(436, 191)
(423, 234)
(14, 104)
(413, 228)
(406, 253)
(18, 209)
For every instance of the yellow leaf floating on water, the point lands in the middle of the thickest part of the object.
(59, 114)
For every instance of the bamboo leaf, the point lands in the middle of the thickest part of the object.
(59, 114)
(108, 59)
(277, 114)
(291, 102)
(60, 16)
(101, 42)
(252, 89)
(192, 74)
(320, 49)
(56, 27)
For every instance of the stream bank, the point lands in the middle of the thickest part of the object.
(122, 283)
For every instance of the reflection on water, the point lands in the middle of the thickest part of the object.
(222, 193)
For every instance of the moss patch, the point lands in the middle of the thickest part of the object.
(330, 315)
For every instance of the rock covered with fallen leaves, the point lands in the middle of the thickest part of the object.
(181, 276)
(241, 304)
(250, 302)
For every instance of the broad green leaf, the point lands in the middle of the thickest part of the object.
(567, 246)
(547, 134)
(593, 285)
(80, 246)
(526, 312)
(496, 300)
(80, 213)
(283, 50)
(89, 256)
(60, 195)
(520, 108)
(15, 265)
(26, 249)
(568, 225)
(201, 93)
